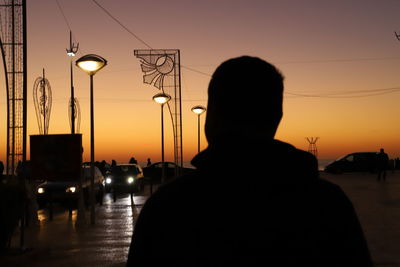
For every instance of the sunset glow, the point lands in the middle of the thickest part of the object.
(340, 60)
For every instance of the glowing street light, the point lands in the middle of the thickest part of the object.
(198, 110)
(162, 99)
(91, 64)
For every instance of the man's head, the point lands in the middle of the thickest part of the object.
(244, 100)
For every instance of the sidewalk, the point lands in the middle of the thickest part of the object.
(61, 242)
(378, 207)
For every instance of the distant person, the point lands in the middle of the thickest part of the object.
(102, 167)
(113, 165)
(133, 161)
(1, 171)
(19, 169)
(148, 162)
(276, 212)
(382, 165)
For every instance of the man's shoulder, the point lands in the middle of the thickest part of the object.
(288, 148)
(297, 160)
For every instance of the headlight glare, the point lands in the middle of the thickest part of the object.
(40, 190)
(130, 180)
(71, 189)
(108, 180)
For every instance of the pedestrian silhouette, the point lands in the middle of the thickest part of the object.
(382, 164)
(133, 160)
(113, 165)
(275, 212)
(102, 167)
(148, 162)
(1, 170)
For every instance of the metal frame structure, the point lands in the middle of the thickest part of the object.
(312, 145)
(14, 51)
(162, 69)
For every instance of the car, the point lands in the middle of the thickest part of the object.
(124, 178)
(153, 171)
(354, 162)
(67, 191)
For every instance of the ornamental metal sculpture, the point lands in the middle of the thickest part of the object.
(76, 118)
(162, 69)
(42, 99)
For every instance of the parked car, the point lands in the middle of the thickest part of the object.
(67, 191)
(354, 162)
(154, 171)
(124, 178)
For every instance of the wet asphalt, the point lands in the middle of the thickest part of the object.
(70, 241)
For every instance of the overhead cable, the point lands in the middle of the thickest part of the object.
(122, 25)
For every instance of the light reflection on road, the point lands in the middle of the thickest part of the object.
(71, 239)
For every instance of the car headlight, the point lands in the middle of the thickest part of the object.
(71, 189)
(40, 190)
(108, 180)
(130, 180)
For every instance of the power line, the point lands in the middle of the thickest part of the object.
(122, 25)
(194, 70)
(338, 60)
(66, 21)
(62, 13)
(138, 38)
(350, 94)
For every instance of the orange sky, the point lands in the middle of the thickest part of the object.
(322, 47)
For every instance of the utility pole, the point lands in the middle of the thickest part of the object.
(312, 145)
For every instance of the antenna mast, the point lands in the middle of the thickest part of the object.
(312, 145)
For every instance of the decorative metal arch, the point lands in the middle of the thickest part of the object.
(162, 68)
(14, 52)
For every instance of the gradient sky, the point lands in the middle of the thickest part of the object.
(324, 48)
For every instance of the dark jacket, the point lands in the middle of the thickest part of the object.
(274, 212)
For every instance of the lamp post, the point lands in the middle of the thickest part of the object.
(162, 99)
(198, 110)
(91, 64)
(71, 52)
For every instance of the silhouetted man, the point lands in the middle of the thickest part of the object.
(383, 162)
(274, 212)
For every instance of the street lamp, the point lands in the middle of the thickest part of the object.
(162, 99)
(198, 110)
(91, 64)
(71, 52)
